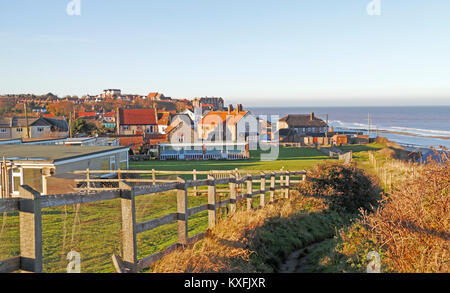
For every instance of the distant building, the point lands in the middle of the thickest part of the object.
(136, 121)
(157, 97)
(299, 125)
(216, 103)
(231, 126)
(109, 93)
(204, 151)
(15, 127)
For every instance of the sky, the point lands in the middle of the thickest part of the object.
(254, 52)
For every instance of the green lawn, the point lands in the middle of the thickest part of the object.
(290, 158)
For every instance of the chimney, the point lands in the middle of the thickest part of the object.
(312, 116)
(230, 108)
(239, 108)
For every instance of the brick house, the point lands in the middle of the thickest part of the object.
(136, 121)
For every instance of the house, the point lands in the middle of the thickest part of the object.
(339, 139)
(86, 115)
(136, 121)
(181, 130)
(15, 127)
(230, 126)
(47, 168)
(303, 125)
(109, 120)
(157, 97)
(216, 103)
(111, 93)
(164, 119)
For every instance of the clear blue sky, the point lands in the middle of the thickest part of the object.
(268, 53)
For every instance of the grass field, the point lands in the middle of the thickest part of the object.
(94, 230)
(290, 158)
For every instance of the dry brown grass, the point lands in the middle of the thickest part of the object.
(227, 247)
(412, 228)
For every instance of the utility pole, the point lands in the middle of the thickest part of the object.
(326, 132)
(70, 124)
(368, 119)
(26, 119)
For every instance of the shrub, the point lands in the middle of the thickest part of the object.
(344, 188)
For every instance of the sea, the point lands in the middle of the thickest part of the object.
(412, 126)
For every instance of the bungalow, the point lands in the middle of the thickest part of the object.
(47, 168)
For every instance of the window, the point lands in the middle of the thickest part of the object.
(19, 129)
(304, 129)
(112, 162)
(40, 129)
(2, 130)
(309, 129)
(125, 127)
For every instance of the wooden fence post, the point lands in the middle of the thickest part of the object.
(88, 182)
(287, 185)
(249, 193)
(182, 211)
(194, 177)
(30, 230)
(129, 246)
(262, 200)
(272, 187)
(153, 177)
(233, 196)
(211, 202)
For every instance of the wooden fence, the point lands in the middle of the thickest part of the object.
(30, 202)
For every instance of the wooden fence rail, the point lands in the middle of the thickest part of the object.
(30, 203)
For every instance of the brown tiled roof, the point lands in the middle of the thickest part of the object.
(301, 120)
(137, 117)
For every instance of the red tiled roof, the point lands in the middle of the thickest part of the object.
(110, 114)
(85, 114)
(137, 117)
(134, 141)
(231, 118)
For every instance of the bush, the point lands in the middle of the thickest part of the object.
(344, 188)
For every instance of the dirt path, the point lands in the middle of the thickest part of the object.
(297, 261)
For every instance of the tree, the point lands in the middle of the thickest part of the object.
(81, 126)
